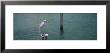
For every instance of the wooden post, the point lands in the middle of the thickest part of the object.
(61, 22)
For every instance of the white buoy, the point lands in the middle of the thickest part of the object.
(46, 34)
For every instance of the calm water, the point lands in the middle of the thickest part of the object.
(77, 26)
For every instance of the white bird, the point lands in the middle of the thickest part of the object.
(42, 24)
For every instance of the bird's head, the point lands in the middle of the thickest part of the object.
(45, 21)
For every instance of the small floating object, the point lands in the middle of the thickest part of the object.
(44, 36)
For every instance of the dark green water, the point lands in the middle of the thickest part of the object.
(76, 26)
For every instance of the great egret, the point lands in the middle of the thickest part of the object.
(42, 25)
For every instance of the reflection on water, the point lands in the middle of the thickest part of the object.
(61, 37)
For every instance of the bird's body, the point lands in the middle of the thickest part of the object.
(42, 24)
